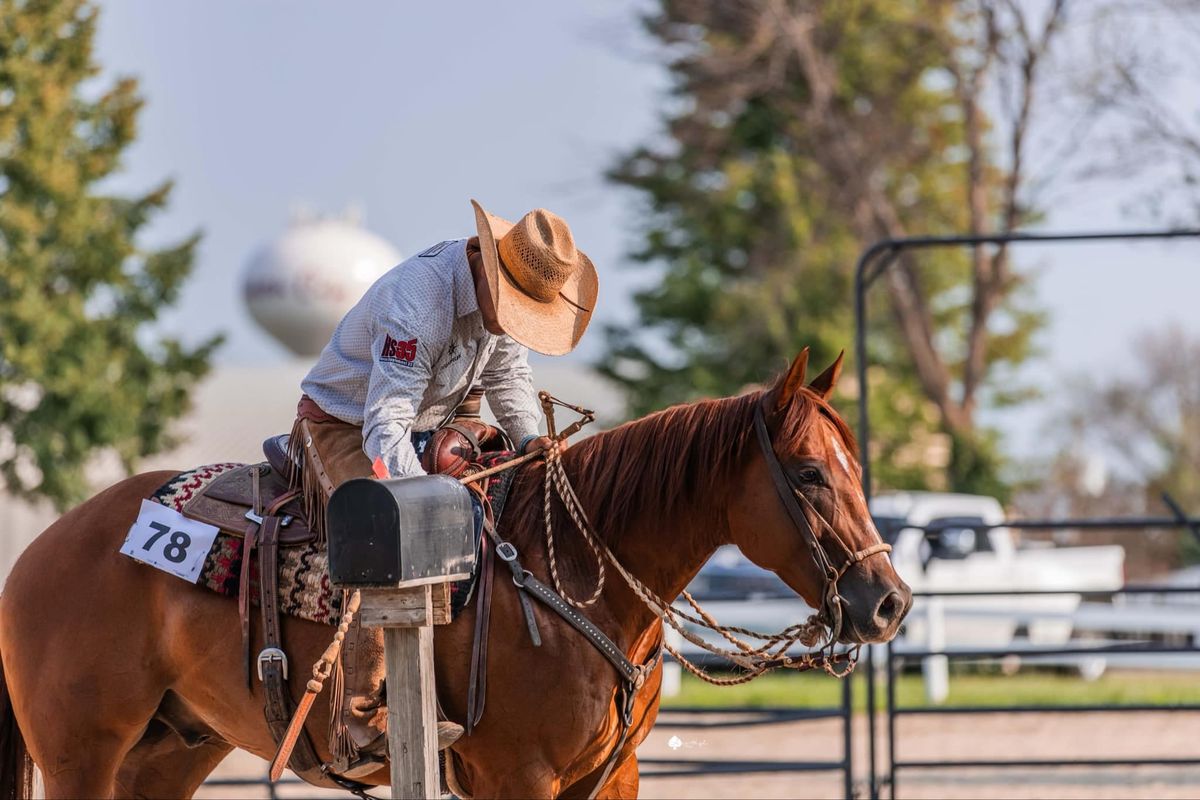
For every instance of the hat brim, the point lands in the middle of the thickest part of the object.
(552, 328)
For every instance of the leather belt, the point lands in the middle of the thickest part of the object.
(477, 683)
(272, 663)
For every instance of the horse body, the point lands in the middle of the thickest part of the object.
(161, 648)
(127, 681)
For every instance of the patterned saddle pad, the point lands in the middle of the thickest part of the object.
(304, 588)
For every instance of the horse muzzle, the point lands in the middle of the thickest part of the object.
(874, 615)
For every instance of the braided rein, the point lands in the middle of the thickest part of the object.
(820, 632)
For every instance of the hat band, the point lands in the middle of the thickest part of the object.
(567, 300)
(571, 302)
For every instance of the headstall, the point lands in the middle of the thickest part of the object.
(830, 612)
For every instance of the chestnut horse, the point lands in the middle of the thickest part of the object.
(121, 680)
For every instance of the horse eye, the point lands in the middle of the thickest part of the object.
(810, 475)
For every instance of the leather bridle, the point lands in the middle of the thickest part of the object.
(831, 599)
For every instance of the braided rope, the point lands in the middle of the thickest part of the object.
(736, 680)
(553, 455)
(755, 660)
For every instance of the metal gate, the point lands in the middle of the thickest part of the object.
(872, 264)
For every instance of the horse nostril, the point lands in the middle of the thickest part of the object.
(890, 607)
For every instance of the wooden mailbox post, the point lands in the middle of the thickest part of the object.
(401, 542)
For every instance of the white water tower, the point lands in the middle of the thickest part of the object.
(299, 286)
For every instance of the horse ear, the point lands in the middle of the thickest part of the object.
(791, 382)
(823, 384)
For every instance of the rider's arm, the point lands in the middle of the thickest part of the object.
(399, 377)
(508, 383)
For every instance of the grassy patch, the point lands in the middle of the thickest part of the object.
(1025, 688)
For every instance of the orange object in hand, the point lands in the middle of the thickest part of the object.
(379, 468)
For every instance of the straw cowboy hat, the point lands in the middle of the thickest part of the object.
(544, 289)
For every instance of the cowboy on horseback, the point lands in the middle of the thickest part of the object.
(458, 316)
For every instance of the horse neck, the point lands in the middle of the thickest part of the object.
(657, 489)
(664, 553)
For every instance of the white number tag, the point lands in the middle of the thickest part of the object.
(167, 540)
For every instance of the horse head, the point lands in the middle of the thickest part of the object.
(801, 511)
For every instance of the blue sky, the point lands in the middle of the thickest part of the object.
(407, 110)
(403, 110)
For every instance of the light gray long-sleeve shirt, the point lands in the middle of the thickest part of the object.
(407, 354)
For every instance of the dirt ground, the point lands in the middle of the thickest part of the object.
(691, 738)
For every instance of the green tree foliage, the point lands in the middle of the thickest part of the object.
(80, 371)
(796, 134)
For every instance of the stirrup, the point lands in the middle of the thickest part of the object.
(374, 755)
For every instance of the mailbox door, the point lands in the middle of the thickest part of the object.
(363, 521)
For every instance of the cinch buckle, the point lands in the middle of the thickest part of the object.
(272, 654)
(506, 551)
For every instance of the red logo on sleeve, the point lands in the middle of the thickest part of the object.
(399, 352)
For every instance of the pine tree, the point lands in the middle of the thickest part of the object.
(798, 133)
(81, 371)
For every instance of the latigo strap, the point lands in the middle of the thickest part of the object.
(272, 660)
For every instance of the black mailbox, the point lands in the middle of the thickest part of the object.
(400, 531)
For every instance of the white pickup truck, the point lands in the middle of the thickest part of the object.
(957, 558)
(960, 558)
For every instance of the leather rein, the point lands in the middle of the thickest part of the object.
(832, 602)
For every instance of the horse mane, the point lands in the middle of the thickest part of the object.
(663, 464)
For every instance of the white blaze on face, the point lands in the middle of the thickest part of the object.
(841, 454)
(845, 462)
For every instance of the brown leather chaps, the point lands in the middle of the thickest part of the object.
(332, 452)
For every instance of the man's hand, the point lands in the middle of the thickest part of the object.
(543, 443)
